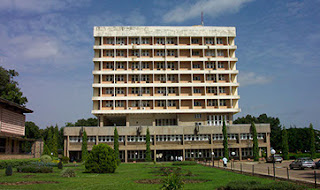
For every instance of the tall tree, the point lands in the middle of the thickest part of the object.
(116, 145)
(54, 148)
(46, 150)
(285, 145)
(225, 140)
(49, 138)
(312, 142)
(84, 148)
(9, 89)
(148, 151)
(255, 142)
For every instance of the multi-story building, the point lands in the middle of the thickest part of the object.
(180, 82)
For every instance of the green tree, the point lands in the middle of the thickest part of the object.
(255, 142)
(9, 89)
(225, 140)
(32, 131)
(46, 150)
(101, 160)
(116, 145)
(49, 138)
(148, 151)
(312, 142)
(285, 146)
(86, 122)
(84, 148)
(54, 149)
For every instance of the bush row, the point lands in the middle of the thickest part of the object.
(16, 162)
(255, 185)
(34, 169)
(184, 163)
(299, 155)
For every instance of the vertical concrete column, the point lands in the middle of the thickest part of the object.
(126, 156)
(65, 145)
(155, 155)
(240, 153)
(101, 121)
(97, 139)
(184, 154)
(155, 147)
(68, 142)
(268, 144)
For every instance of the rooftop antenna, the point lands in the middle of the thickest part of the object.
(202, 23)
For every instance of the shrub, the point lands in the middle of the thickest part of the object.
(65, 159)
(68, 173)
(9, 171)
(15, 162)
(101, 160)
(172, 181)
(184, 163)
(60, 166)
(45, 158)
(34, 169)
(49, 164)
(255, 185)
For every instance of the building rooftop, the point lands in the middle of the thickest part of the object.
(15, 105)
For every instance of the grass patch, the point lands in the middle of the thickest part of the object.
(125, 177)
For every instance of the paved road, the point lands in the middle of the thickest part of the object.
(281, 170)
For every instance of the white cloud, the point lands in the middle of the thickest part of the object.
(251, 78)
(212, 8)
(135, 18)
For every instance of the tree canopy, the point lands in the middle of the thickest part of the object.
(9, 89)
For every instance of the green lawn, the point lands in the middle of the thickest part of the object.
(124, 178)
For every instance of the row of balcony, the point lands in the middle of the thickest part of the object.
(148, 40)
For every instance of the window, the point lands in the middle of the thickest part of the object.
(171, 77)
(217, 137)
(220, 65)
(106, 139)
(120, 53)
(109, 103)
(211, 77)
(219, 41)
(121, 41)
(135, 90)
(161, 103)
(209, 40)
(109, 41)
(195, 52)
(75, 139)
(171, 90)
(145, 53)
(144, 77)
(109, 78)
(210, 53)
(109, 53)
(222, 90)
(171, 53)
(196, 77)
(160, 65)
(162, 78)
(119, 104)
(160, 53)
(217, 119)
(221, 77)
(197, 103)
(166, 122)
(109, 90)
(145, 90)
(135, 103)
(212, 103)
(161, 90)
(135, 53)
(109, 65)
(145, 65)
(196, 66)
(144, 41)
(232, 136)
(135, 41)
(170, 65)
(197, 116)
(223, 102)
(170, 40)
(145, 104)
(212, 90)
(160, 41)
(196, 90)
(220, 53)
(195, 41)
(120, 65)
(120, 90)
(171, 103)
(119, 78)
(210, 65)
(135, 65)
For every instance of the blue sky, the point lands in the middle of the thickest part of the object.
(50, 44)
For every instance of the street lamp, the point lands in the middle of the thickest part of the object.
(212, 154)
(200, 156)
(136, 155)
(274, 168)
(233, 154)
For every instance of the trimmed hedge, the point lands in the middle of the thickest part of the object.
(255, 185)
(299, 155)
(16, 162)
(184, 163)
(34, 169)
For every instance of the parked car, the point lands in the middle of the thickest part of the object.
(277, 158)
(302, 163)
(317, 164)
